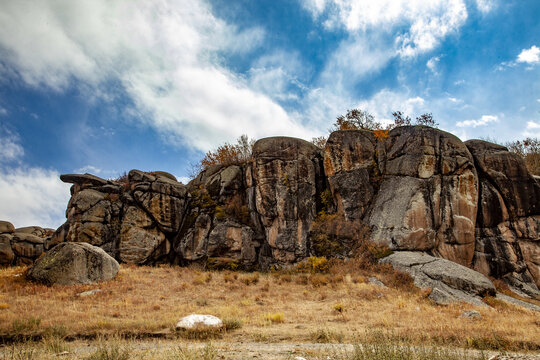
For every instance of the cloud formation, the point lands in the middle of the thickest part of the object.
(165, 55)
(10, 147)
(32, 196)
(427, 22)
(529, 56)
(483, 121)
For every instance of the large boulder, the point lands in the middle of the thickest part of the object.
(74, 263)
(6, 227)
(508, 222)
(288, 176)
(448, 281)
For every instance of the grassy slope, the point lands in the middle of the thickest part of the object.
(270, 307)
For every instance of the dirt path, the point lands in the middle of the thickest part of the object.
(157, 349)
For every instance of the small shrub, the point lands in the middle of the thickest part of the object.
(275, 317)
(23, 326)
(202, 302)
(314, 264)
(232, 323)
(302, 279)
(381, 135)
(333, 236)
(55, 344)
(318, 280)
(111, 350)
(184, 353)
(201, 333)
(4, 306)
(229, 154)
(249, 279)
(326, 336)
(339, 308)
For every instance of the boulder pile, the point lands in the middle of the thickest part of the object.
(22, 246)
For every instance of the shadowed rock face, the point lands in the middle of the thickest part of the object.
(414, 189)
(508, 222)
(288, 175)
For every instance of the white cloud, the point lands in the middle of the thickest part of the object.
(183, 179)
(165, 55)
(426, 21)
(277, 75)
(355, 58)
(10, 147)
(532, 129)
(485, 6)
(3, 111)
(432, 64)
(32, 196)
(88, 169)
(385, 102)
(529, 56)
(483, 121)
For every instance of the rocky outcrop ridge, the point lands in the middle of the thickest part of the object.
(415, 188)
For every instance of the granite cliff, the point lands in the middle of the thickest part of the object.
(416, 189)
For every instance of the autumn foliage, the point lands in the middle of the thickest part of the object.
(229, 154)
(529, 150)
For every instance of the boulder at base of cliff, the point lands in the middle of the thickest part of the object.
(449, 281)
(74, 263)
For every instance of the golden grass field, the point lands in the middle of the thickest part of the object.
(339, 307)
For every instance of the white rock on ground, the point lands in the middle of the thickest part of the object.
(197, 320)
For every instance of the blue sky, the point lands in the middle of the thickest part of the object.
(107, 86)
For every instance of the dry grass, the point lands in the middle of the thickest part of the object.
(143, 301)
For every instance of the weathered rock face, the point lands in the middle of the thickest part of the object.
(417, 188)
(508, 222)
(414, 189)
(74, 263)
(449, 282)
(134, 221)
(220, 226)
(288, 175)
(22, 246)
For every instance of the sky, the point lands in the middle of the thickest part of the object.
(105, 86)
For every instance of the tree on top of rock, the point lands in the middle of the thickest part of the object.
(529, 150)
(401, 119)
(356, 119)
(229, 154)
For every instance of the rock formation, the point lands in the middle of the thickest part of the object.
(415, 188)
(22, 246)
